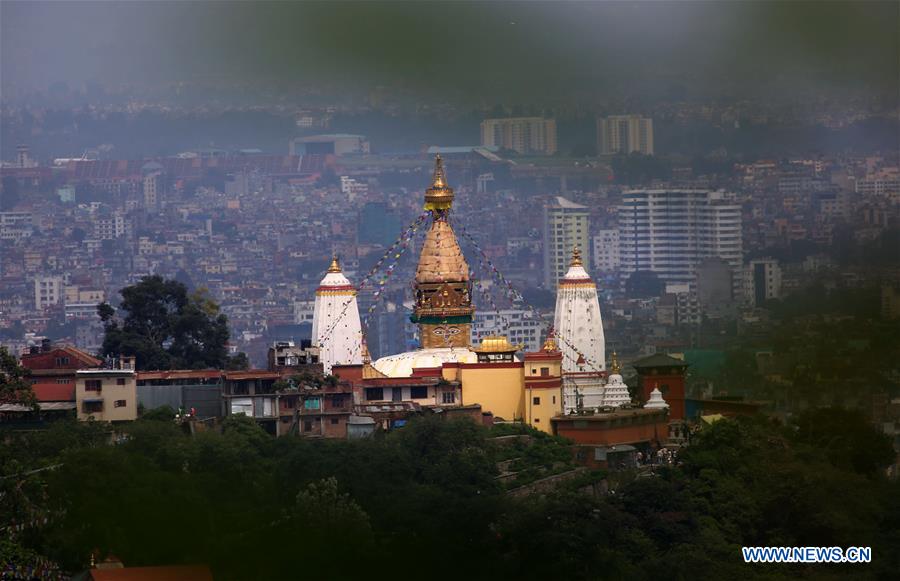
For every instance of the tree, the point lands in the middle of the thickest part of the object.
(164, 327)
(846, 438)
(14, 388)
(238, 362)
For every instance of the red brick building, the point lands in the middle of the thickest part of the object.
(667, 374)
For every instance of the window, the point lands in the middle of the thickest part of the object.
(374, 394)
(62, 361)
(120, 381)
(307, 426)
(120, 403)
(418, 392)
(288, 402)
(536, 401)
(63, 380)
(91, 407)
(311, 404)
(554, 399)
(537, 420)
(545, 371)
(448, 397)
(93, 384)
(335, 421)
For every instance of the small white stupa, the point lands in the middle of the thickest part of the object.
(615, 393)
(656, 400)
(577, 321)
(336, 329)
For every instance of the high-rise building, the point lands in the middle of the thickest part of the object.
(522, 327)
(763, 280)
(566, 227)
(526, 135)
(23, 157)
(669, 232)
(48, 290)
(606, 250)
(624, 134)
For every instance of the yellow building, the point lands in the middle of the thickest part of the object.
(495, 380)
(543, 386)
(107, 395)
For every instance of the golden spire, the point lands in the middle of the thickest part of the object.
(366, 358)
(439, 180)
(439, 196)
(576, 257)
(614, 364)
(550, 343)
(335, 265)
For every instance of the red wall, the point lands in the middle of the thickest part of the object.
(674, 396)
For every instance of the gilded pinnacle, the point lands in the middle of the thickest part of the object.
(335, 265)
(576, 257)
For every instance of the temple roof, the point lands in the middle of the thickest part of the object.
(659, 360)
(496, 344)
(441, 259)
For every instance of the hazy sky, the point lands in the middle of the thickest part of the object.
(492, 47)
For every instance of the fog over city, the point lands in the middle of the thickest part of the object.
(483, 290)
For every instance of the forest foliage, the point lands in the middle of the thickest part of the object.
(426, 498)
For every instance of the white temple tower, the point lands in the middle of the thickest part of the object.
(336, 329)
(577, 322)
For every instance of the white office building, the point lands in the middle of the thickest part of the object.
(669, 232)
(606, 250)
(520, 326)
(566, 227)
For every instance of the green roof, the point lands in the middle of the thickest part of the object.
(658, 360)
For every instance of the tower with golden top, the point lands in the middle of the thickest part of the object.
(443, 307)
(336, 327)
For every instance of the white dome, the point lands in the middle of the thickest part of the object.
(335, 279)
(402, 364)
(577, 272)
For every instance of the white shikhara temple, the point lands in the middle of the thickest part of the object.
(577, 321)
(579, 327)
(336, 329)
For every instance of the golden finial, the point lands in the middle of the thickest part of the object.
(335, 265)
(614, 364)
(93, 560)
(576, 257)
(366, 358)
(550, 343)
(439, 180)
(439, 196)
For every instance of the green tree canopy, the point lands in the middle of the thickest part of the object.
(14, 388)
(165, 327)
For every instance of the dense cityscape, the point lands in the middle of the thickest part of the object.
(620, 331)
